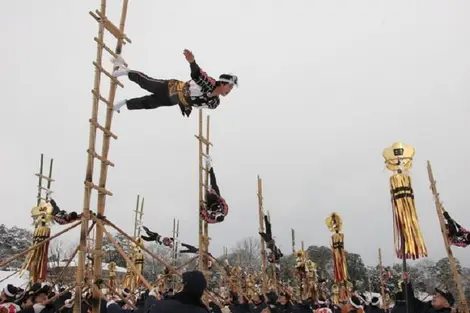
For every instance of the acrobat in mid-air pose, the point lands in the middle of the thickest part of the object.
(193, 250)
(215, 208)
(275, 253)
(202, 91)
(63, 217)
(152, 236)
(458, 236)
(189, 249)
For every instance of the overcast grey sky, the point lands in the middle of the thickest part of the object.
(325, 86)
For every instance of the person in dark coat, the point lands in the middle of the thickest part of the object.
(374, 306)
(442, 301)
(257, 304)
(400, 303)
(285, 305)
(188, 300)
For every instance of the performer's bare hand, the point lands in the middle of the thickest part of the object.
(188, 55)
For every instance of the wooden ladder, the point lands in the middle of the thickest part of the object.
(105, 26)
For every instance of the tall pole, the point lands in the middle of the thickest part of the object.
(261, 229)
(382, 284)
(201, 197)
(450, 256)
(293, 240)
(136, 219)
(49, 181)
(206, 226)
(40, 177)
(203, 184)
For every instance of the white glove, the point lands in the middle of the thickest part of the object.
(38, 307)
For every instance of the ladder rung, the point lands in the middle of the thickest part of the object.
(97, 95)
(204, 140)
(44, 177)
(107, 132)
(99, 157)
(113, 29)
(105, 47)
(44, 188)
(114, 79)
(99, 189)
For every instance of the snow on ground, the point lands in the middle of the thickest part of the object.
(15, 279)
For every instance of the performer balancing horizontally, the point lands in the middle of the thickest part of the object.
(202, 91)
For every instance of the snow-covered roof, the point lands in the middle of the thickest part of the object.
(15, 279)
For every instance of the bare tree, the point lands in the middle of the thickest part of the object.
(56, 252)
(248, 252)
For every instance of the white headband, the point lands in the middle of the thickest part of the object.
(7, 292)
(232, 81)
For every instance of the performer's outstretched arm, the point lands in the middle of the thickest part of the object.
(200, 77)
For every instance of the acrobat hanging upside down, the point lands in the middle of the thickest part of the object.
(457, 235)
(215, 208)
(202, 91)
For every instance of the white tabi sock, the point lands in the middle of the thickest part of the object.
(119, 105)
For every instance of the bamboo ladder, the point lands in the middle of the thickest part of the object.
(452, 263)
(41, 177)
(204, 142)
(104, 26)
(264, 282)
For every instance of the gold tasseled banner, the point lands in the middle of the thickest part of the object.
(335, 292)
(139, 265)
(36, 261)
(339, 258)
(405, 219)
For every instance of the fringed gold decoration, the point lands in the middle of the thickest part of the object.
(36, 261)
(312, 290)
(335, 292)
(132, 280)
(398, 159)
(335, 225)
(250, 286)
(112, 277)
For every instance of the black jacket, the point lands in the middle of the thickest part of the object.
(374, 309)
(418, 306)
(179, 303)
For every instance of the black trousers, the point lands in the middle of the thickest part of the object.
(212, 198)
(160, 96)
